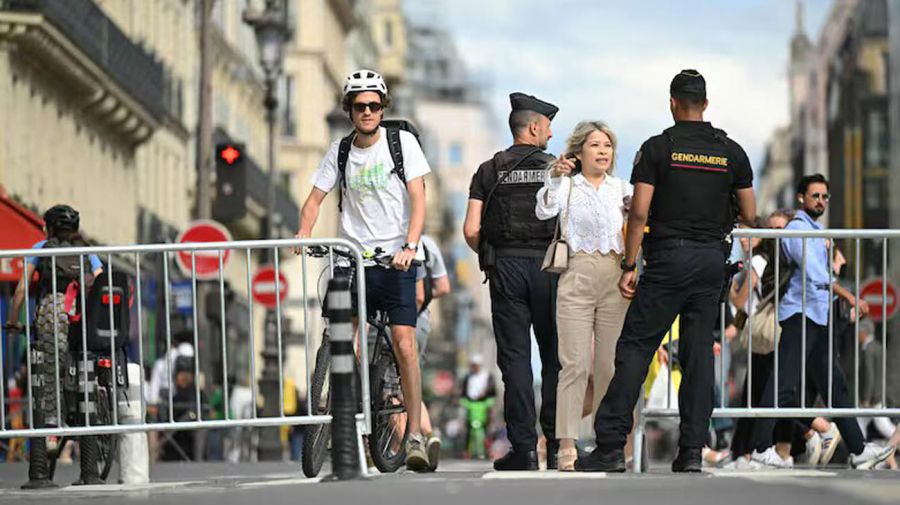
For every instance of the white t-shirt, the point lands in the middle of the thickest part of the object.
(376, 203)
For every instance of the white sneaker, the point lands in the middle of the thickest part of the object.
(830, 442)
(743, 463)
(870, 457)
(771, 459)
(814, 449)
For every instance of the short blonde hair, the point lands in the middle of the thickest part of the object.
(575, 142)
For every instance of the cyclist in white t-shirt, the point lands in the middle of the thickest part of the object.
(382, 207)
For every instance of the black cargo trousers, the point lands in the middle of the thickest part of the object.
(684, 278)
(523, 296)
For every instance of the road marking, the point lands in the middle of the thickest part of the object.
(127, 488)
(280, 482)
(542, 475)
(770, 474)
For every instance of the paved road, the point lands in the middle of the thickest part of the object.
(465, 483)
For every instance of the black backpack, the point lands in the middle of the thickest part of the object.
(427, 281)
(392, 127)
(100, 299)
(68, 268)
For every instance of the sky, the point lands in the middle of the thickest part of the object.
(613, 60)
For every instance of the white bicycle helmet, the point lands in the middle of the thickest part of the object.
(365, 80)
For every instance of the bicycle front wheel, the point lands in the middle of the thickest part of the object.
(317, 436)
(387, 443)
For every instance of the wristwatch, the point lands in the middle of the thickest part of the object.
(626, 267)
(412, 246)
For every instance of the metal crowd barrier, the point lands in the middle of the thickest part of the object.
(722, 410)
(196, 249)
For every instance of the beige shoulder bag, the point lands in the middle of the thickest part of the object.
(556, 260)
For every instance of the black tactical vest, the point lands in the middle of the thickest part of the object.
(693, 199)
(509, 220)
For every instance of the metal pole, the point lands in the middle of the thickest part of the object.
(803, 334)
(831, 252)
(856, 333)
(112, 339)
(26, 282)
(140, 335)
(204, 157)
(884, 322)
(777, 301)
(224, 336)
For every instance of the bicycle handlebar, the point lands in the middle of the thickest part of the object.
(380, 259)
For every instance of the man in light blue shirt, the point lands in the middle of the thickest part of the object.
(812, 193)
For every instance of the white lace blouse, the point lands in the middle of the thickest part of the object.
(596, 218)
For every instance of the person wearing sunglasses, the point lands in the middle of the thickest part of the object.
(381, 192)
(793, 315)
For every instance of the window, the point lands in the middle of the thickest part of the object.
(876, 142)
(286, 106)
(389, 33)
(458, 203)
(455, 154)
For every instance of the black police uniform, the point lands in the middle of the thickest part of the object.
(521, 294)
(694, 169)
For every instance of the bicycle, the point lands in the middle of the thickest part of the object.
(388, 438)
(107, 443)
(478, 415)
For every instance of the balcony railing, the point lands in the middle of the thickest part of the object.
(98, 37)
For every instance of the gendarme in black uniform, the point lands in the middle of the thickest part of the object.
(694, 168)
(521, 294)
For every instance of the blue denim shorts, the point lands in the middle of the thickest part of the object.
(390, 291)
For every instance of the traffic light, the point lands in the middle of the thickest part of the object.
(231, 182)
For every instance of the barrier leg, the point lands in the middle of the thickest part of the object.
(133, 451)
(344, 433)
(363, 465)
(637, 457)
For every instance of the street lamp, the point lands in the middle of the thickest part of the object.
(272, 31)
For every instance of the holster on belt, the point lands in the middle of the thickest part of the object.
(487, 258)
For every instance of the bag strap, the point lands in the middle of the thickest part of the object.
(534, 150)
(564, 227)
(342, 156)
(396, 150)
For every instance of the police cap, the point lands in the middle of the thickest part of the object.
(688, 82)
(521, 101)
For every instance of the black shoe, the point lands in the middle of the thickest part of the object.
(552, 451)
(688, 460)
(39, 484)
(517, 461)
(602, 461)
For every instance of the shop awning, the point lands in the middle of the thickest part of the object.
(21, 228)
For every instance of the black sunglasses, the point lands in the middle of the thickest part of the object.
(821, 196)
(360, 107)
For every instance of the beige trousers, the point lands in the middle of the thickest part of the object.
(589, 310)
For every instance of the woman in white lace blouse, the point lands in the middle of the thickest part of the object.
(591, 204)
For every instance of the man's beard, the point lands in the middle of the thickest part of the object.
(814, 212)
(370, 132)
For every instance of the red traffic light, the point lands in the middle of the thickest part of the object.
(230, 154)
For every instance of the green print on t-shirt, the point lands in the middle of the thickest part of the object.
(370, 179)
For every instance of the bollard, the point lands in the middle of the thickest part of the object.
(344, 442)
(133, 454)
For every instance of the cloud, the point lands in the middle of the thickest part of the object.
(614, 60)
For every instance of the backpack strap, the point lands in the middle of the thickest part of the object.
(342, 156)
(396, 149)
